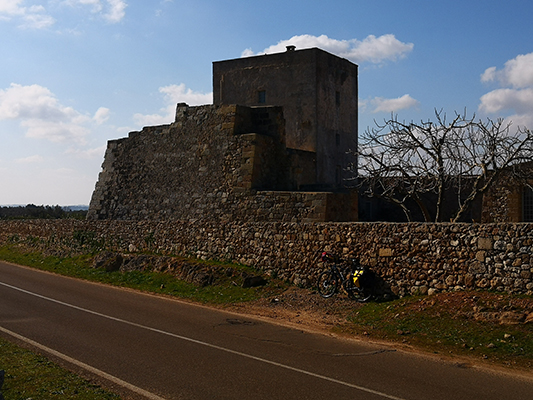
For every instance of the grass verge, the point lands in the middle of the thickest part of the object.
(31, 376)
(457, 324)
(224, 291)
(464, 324)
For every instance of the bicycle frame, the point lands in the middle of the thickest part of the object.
(330, 281)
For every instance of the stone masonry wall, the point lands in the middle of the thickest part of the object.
(183, 170)
(503, 202)
(412, 258)
(208, 165)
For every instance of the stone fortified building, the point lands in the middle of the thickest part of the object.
(274, 146)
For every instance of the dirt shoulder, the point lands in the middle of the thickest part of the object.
(301, 307)
(481, 329)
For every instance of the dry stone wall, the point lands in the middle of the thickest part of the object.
(411, 258)
(213, 163)
(188, 169)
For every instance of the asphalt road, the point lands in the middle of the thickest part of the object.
(153, 347)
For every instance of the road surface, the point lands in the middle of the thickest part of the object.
(150, 347)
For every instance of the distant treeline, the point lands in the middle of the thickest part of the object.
(31, 211)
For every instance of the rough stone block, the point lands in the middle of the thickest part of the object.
(385, 252)
(481, 255)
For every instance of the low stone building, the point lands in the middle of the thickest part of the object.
(509, 200)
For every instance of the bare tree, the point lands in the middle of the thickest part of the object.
(403, 162)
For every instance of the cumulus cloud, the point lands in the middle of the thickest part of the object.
(172, 95)
(371, 49)
(181, 94)
(515, 94)
(116, 10)
(36, 16)
(101, 115)
(380, 104)
(44, 117)
(112, 11)
(10, 7)
(517, 72)
(519, 100)
(33, 16)
(404, 102)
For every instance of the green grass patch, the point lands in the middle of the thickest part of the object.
(446, 323)
(225, 291)
(31, 376)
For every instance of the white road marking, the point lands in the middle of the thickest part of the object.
(213, 346)
(86, 367)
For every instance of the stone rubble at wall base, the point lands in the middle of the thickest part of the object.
(414, 258)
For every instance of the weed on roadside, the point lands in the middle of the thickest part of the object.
(453, 324)
(225, 290)
(31, 376)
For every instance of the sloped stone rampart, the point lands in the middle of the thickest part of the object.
(412, 258)
(209, 165)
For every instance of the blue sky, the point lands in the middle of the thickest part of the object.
(77, 73)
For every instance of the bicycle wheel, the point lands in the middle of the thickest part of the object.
(359, 294)
(327, 284)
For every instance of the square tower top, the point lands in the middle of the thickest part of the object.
(318, 93)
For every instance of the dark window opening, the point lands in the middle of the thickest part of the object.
(338, 175)
(261, 97)
(527, 205)
(338, 98)
(337, 139)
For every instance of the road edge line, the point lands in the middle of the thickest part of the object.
(82, 365)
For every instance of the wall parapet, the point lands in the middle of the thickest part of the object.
(412, 258)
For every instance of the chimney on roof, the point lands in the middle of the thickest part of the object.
(291, 48)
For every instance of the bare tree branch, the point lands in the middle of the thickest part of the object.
(402, 162)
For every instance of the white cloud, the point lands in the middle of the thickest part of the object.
(30, 160)
(96, 4)
(180, 94)
(97, 152)
(521, 101)
(517, 72)
(173, 94)
(34, 16)
(101, 115)
(166, 117)
(37, 21)
(489, 75)
(381, 104)
(516, 92)
(44, 117)
(116, 10)
(112, 11)
(11, 7)
(371, 49)
(55, 131)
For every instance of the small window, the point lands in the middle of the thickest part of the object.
(337, 139)
(338, 98)
(527, 205)
(261, 96)
(338, 175)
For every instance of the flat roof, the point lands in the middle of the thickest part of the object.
(287, 52)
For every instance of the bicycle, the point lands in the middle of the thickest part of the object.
(355, 279)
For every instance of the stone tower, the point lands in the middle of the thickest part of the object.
(318, 93)
(273, 147)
